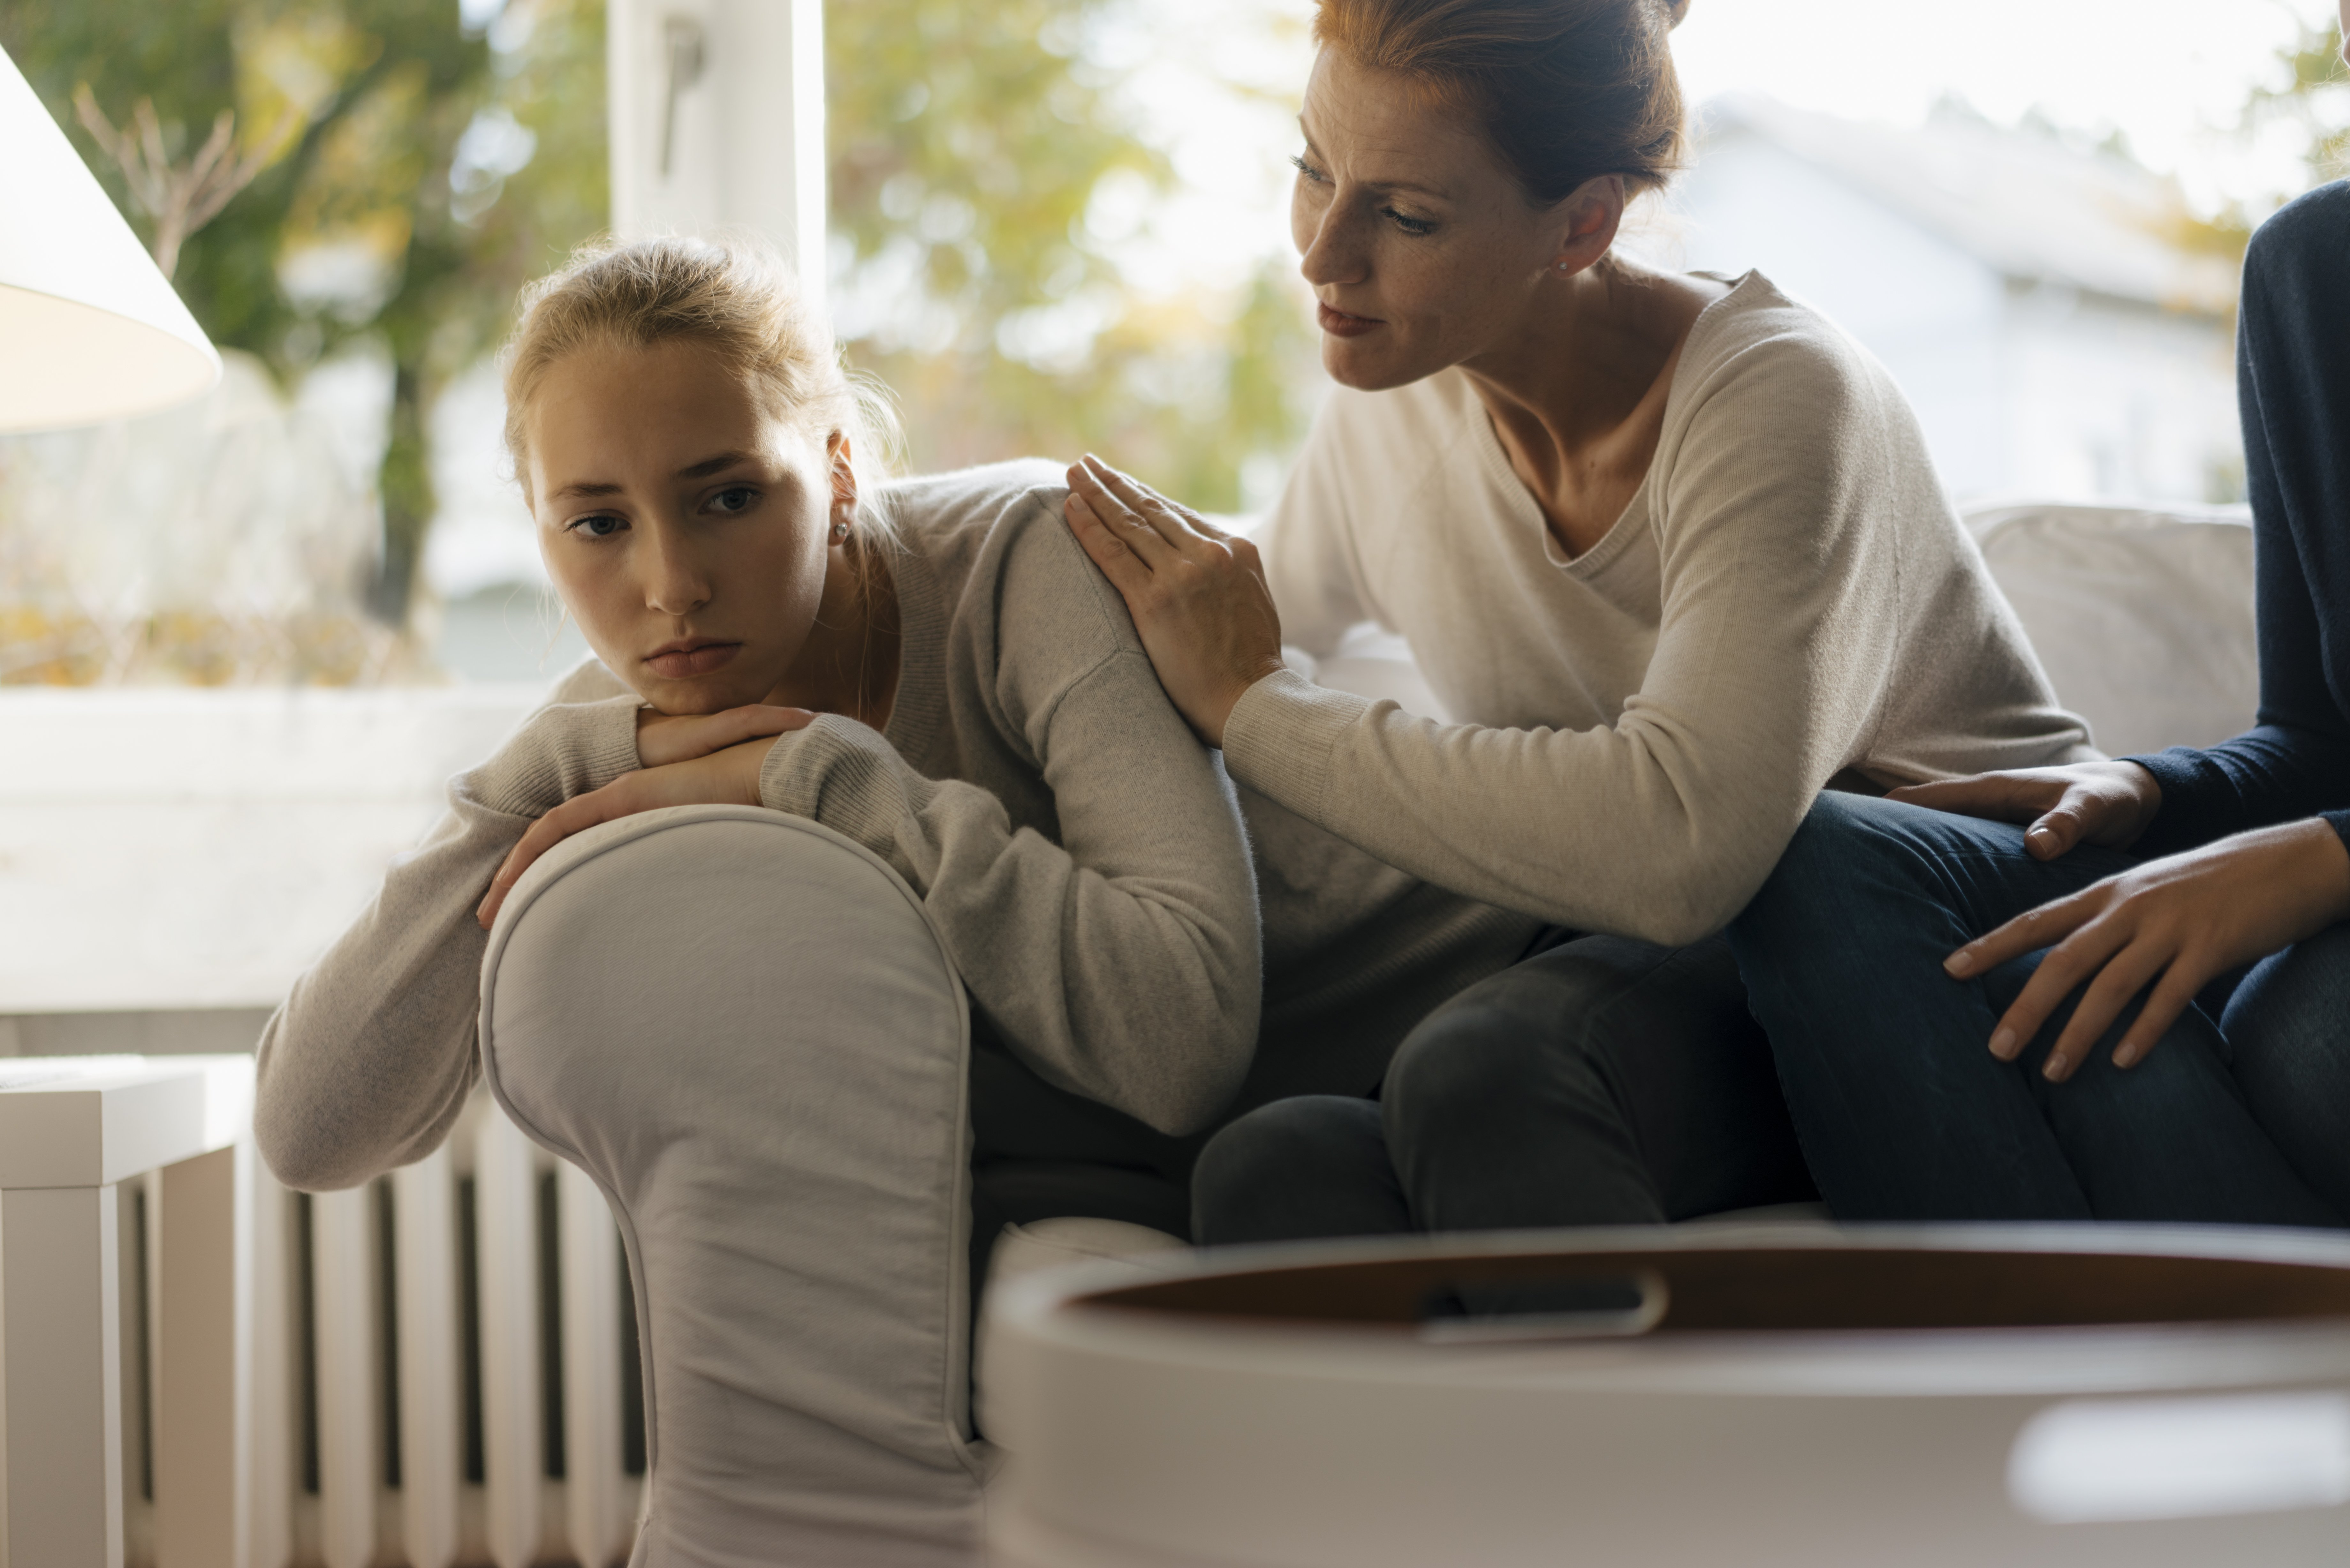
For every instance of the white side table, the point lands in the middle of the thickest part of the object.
(71, 1128)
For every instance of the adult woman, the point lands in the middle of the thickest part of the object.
(943, 677)
(2087, 1058)
(1671, 544)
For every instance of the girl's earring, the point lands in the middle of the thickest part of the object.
(840, 530)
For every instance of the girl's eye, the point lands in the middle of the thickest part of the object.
(1308, 170)
(1416, 227)
(602, 526)
(734, 499)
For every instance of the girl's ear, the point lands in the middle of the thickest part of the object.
(842, 459)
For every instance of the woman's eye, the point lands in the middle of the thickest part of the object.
(602, 525)
(1415, 227)
(1308, 170)
(734, 499)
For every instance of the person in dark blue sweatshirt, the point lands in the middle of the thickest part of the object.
(2024, 995)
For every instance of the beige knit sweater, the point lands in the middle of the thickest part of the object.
(1085, 858)
(1788, 598)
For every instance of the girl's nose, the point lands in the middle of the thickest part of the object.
(674, 584)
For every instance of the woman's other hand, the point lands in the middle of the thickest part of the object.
(2176, 924)
(666, 738)
(2106, 803)
(725, 777)
(1197, 594)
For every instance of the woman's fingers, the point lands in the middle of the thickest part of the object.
(1124, 521)
(1174, 521)
(2170, 997)
(1128, 572)
(2068, 965)
(2033, 930)
(2125, 968)
(1995, 797)
(2064, 824)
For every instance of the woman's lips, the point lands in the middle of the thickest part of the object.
(1339, 324)
(679, 660)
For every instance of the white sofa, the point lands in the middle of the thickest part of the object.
(743, 1026)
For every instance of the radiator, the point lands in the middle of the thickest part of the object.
(445, 1370)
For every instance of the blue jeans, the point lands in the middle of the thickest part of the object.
(1903, 1112)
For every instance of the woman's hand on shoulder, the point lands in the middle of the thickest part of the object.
(711, 771)
(2174, 924)
(1197, 594)
(2110, 804)
(665, 738)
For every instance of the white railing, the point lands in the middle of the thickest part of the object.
(199, 1368)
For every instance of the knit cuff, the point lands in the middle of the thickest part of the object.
(1282, 735)
(843, 774)
(2184, 775)
(563, 750)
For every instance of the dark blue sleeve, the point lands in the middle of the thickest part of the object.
(2293, 388)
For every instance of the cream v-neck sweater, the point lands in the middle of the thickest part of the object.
(1788, 598)
(1085, 858)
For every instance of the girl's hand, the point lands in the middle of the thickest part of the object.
(2177, 923)
(1197, 594)
(2106, 803)
(728, 777)
(665, 738)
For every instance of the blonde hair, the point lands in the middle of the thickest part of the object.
(733, 296)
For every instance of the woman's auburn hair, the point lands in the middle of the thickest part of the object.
(1565, 90)
(735, 297)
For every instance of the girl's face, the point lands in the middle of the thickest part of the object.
(685, 526)
(1419, 241)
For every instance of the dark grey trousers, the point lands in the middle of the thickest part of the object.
(1601, 1080)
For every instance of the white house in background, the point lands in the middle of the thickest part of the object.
(2032, 297)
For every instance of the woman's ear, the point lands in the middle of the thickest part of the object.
(1586, 222)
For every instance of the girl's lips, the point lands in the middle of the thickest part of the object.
(1339, 324)
(676, 663)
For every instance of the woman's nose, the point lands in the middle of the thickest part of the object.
(1332, 253)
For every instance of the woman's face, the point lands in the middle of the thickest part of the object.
(1418, 241)
(684, 525)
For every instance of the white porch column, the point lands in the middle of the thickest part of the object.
(717, 120)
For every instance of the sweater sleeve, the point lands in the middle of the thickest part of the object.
(1307, 548)
(369, 1061)
(1782, 508)
(1121, 963)
(2293, 383)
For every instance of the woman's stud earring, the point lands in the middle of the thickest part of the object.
(840, 530)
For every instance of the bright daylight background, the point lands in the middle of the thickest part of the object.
(242, 644)
(1060, 224)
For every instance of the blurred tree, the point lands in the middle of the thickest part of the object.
(416, 163)
(984, 162)
(2314, 96)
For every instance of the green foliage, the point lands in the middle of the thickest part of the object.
(2315, 95)
(973, 151)
(377, 110)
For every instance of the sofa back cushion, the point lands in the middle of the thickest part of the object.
(2143, 619)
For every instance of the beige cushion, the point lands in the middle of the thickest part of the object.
(2143, 619)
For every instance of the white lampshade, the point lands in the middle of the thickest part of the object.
(89, 329)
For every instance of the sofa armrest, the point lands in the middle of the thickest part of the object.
(744, 1028)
